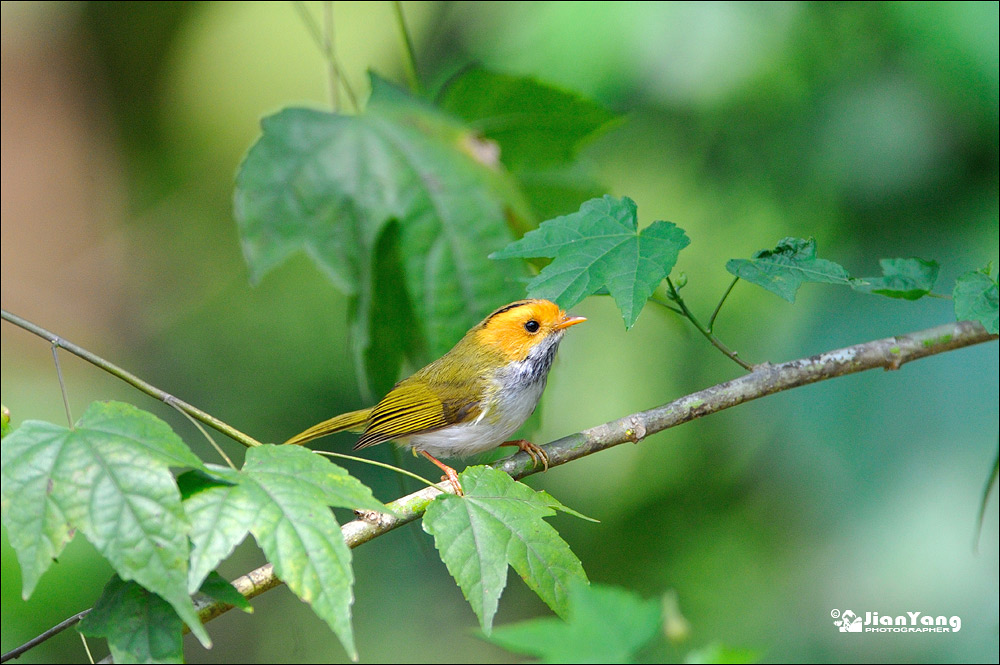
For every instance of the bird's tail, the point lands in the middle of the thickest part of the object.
(346, 422)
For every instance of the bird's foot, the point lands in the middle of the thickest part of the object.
(536, 453)
(449, 473)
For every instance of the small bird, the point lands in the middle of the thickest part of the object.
(472, 398)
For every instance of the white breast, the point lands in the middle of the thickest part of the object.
(484, 433)
(518, 388)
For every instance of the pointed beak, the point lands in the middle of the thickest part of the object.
(568, 321)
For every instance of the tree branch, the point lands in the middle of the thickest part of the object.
(50, 633)
(890, 353)
(132, 380)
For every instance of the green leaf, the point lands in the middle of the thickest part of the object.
(328, 185)
(108, 477)
(788, 266)
(220, 515)
(217, 587)
(600, 246)
(718, 653)
(283, 496)
(383, 326)
(536, 125)
(555, 504)
(499, 523)
(319, 479)
(539, 130)
(292, 490)
(140, 627)
(976, 299)
(4, 421)
(603, 625)
(909, 279)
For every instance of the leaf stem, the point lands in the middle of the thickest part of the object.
(707, 332)
(711, 321)
(132, 379)
(325, 46)
(62, 384)
(410, 58)
(311, 26)
(328, 51)
(86, 647)
(376, 463)
(211, 441)
(664, 303)
(942, 296)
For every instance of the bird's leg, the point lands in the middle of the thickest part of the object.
(536, 453)
(449, 473)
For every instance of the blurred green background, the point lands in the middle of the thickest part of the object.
(873, 127)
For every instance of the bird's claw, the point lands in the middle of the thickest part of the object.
(449, 473)
(453, 479)
(536, 453)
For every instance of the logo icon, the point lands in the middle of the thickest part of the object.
(847, 622)
(911, 622)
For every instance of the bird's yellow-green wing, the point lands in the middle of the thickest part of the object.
(412, 407)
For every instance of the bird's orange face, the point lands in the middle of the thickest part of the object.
(517, 328)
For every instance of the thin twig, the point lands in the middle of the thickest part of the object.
(716, 342)
(409, 55)
(132, 380)
(663, 303)
(211, 441)
(331, 66)
(326, 49)
(372, 462)
(62, 384)
(711, 321)
(50, 633)
(310, 22)
(86, 647)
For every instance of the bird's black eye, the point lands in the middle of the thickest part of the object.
(532, 326)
